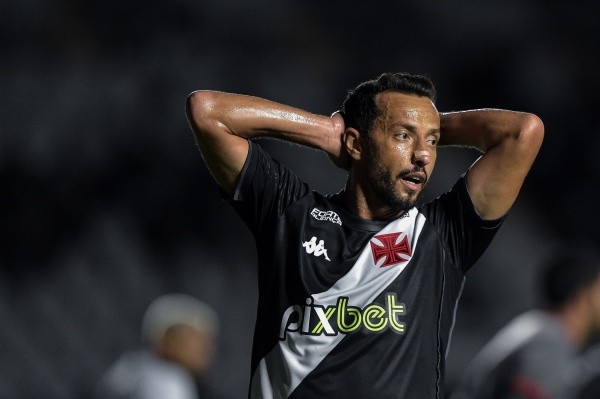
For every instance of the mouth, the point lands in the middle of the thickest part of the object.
(414, 181)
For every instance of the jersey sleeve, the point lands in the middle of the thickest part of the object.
(465, 234)
(264, 190)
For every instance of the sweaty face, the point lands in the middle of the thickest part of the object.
(401, 152)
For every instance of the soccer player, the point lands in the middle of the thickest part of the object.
(179, 333)
(535, 354)
(357, 290)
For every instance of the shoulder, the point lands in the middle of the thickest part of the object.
(143, 374)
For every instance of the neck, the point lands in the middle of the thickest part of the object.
(361, 201)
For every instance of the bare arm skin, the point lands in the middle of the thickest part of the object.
(510, 142)
(223, 122)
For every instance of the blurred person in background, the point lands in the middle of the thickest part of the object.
(533, 356)
(358, 290)
(180, 335)
(584, 375)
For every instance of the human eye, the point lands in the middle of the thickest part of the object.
(432, 140)
(402, 135)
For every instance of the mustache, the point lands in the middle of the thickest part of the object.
(417, 170)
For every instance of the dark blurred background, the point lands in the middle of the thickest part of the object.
(106, 204)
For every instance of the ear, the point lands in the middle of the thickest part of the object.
(352, 143)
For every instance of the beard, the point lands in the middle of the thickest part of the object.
(383, 186)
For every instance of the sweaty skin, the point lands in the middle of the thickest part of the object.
(398, 157)
(404, 140)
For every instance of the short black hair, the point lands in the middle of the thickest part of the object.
(571, 269)
(359, 108)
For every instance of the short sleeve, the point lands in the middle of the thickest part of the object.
(264, 190)
(465, 234)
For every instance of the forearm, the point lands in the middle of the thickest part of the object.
(510, 142)
(484, 128)
(251, 117)
(223, 122)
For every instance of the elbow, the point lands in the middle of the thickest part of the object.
(200, 106)
(532, 131)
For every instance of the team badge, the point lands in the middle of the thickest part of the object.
(391, 249)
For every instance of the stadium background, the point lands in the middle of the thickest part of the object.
(105, 202)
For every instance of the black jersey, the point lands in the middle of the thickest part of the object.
(348, 307)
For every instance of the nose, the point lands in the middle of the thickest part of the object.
(421, 157)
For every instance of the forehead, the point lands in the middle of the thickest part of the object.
(395, 107)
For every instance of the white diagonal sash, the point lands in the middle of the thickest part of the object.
(292, 359)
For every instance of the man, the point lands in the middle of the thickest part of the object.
(584, 374)
(534, 356)
(357, 290)
(180, 333)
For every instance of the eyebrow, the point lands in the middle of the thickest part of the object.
(412, 128)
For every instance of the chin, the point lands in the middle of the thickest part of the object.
(406, 201)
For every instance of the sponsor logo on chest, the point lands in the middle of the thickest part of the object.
(329, 216)
(342, 318)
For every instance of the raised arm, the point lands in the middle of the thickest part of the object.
(509, 141)
(223, 122)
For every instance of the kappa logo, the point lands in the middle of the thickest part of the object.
(330, 216)
(390, 250)
(316, 249)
